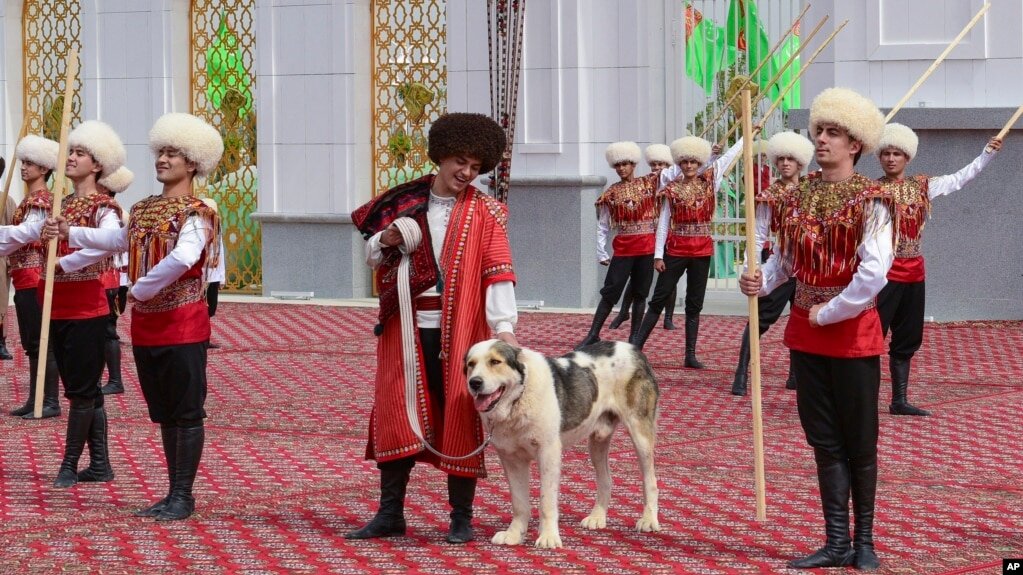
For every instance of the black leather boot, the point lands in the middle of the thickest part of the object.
(181, 503)
(461, 492)
(645, 327)
(833, 478)
(864, 489)
(169, 435)
(599, 317)
(390, 518)
(692, 333)
(79, 420)
(51, 390)
(742, 369)
(99, 457)
(669, 311)
(623, 311)
(637, 320)
(900, 383)
(33, 370)
(112, 353)
(4, 352)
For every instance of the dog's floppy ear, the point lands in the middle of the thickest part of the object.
(512, 356)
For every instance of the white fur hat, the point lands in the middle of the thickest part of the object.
(759, 147)
(857, 114)
(118, 181)
(38, 150)
(791, 145)
(658, 153)
(102, 142)
(193, 137)
(212, 204)
(900, 137)
(619, 152)
(691, 148)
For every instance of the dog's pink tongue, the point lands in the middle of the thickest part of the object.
(483, 402)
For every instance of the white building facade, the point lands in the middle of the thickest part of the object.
(594, 72)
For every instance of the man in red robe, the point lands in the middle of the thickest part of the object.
(461, 285)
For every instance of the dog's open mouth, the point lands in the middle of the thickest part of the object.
(489, 401)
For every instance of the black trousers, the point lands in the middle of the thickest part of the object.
(901, 308)
(30, 320)
(773, 304)
(212, 295)
(173, 381)
(78, 346)
(696, 271)
(837, 403)
(116, 309)
(635, 271)
(430, 340)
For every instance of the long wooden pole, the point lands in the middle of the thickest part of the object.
(1008, 126)
(772, 81)
(759, 480)
(10, 173)
(774, 105)
(753, 74)
(934, 65)
(51, 249)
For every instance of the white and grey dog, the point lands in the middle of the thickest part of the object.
(534, 405)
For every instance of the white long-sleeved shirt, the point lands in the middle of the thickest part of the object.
(672, 173)
(944, 185)
(876, 254)
(186, 252)
(12, 238)
(501, 311)
(603, 232)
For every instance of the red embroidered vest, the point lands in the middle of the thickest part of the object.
(80, 294)
(822, 226)
(692, 209)
(911, 208)
(26, 263)
(177, 314)
(633, 209)
(773, 196)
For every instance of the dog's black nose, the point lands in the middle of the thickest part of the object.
(476, 383)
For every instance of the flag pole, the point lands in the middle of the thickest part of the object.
(934, 65)
(753, 74)
(774, 80)
(759, 480)
(51, 249)
(1008, 126)
(776, 103)
(10, 173)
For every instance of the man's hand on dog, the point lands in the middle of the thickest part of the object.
(508, 338)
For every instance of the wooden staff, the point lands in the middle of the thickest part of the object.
(941, 58)
(754, 314)
(1007, 127)
(774, 80)
(7, 182)
(51, 253)
(753, 74)
(774, 105)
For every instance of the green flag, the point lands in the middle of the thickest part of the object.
(744, 32)
(705, 48)
(225, 70)
(788, 48)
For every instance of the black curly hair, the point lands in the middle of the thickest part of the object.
(473, 135)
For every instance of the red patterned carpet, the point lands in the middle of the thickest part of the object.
(283, 478)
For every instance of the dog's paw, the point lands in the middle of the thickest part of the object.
(549, 541)
(647, 524)
(595, 521)
(507, 538)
